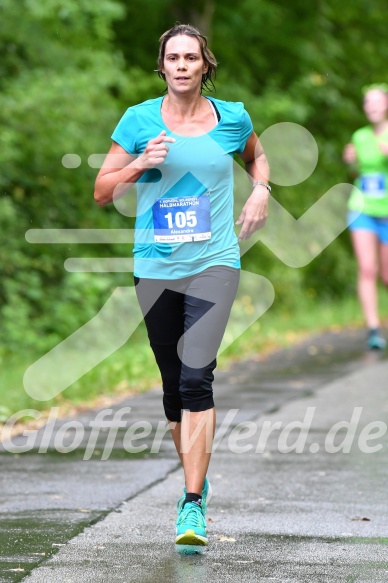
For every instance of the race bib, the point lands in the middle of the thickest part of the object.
(373, 185)
(177, 220)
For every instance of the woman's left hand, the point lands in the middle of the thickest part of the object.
(254, 213)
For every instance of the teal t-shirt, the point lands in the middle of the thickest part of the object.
(184, 222)
(372, 182)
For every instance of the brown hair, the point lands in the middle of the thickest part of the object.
(207, 55)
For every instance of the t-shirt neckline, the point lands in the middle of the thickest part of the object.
(170, 132)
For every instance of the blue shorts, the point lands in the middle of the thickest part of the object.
(378, 225)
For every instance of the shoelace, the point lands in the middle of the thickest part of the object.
(181, 500)
(191, 515)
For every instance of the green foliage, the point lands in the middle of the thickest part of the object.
(59, 97)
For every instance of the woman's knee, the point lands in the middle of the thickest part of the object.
(196, 388)
(197, 378)
(172, 405)
(368, 272)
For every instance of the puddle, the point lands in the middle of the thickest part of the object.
(55, 457)
(27, 539)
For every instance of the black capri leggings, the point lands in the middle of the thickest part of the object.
(186, 320)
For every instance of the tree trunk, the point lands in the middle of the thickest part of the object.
(200, 15)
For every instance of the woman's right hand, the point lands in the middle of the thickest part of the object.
(120, 169)
(349, 155)
(156, 151)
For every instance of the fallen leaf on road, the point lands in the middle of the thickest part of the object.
(361, 519)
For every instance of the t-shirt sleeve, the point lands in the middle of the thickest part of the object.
(245, 131)
(126, 131)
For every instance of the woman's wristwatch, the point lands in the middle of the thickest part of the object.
(267, 186)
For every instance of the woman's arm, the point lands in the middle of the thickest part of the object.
(120, 170)
(349, 156)
(255, 211)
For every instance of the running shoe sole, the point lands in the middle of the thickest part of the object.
(190, 538)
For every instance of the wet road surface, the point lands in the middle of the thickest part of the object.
(276, 516)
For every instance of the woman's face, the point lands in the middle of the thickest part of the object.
(183, 64)
(376, 105)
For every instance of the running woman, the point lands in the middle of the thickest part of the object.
(368, 153)
(179, 150)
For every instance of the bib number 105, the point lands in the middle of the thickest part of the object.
(182, 219)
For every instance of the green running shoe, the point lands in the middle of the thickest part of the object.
(191, 526)
(206, 496)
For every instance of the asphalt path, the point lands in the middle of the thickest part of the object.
(305, 501)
